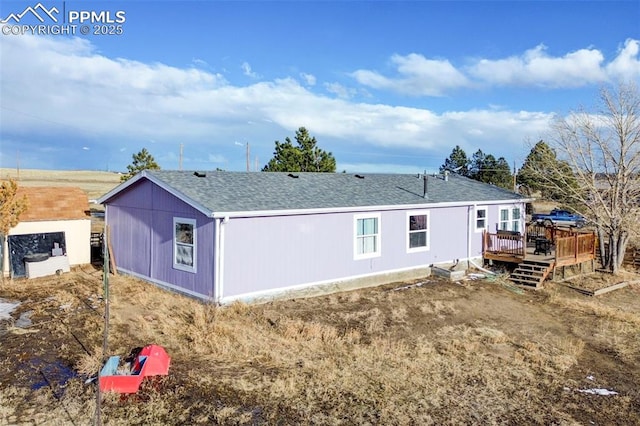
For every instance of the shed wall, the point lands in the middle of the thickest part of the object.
(77, 236)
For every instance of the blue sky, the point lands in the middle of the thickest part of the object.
(384, 86)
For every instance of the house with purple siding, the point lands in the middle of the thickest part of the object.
(225, 236)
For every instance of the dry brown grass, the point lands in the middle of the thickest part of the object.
(354, 358)
(94, 183)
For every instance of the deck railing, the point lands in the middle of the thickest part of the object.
(504, 244)
(574, 249)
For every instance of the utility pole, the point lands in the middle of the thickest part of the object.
(248, 158)
(515, 173)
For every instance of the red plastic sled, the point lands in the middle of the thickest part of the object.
(151, 361)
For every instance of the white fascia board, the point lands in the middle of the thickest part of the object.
(296, 212)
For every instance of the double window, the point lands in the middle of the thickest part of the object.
(367, 236)
(184, 244)
(417, 231)
(509, 219)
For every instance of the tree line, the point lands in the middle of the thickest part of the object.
(481, 167)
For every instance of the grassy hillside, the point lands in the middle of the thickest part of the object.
(94, 183)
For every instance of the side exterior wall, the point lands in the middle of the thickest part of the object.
(77, 237)
(265, 256)
(141, 221)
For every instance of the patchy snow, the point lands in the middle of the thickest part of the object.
(25, 320)
(591, 378)
(6, 308)
(598, 391)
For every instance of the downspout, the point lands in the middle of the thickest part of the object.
(469, 230)
(216, 263)
(218, 276)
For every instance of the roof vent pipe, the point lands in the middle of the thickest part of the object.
(446, 175)
(424, 190)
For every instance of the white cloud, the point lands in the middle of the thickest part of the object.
(246, 70)
(536, 68)
(309, 79)
(341, 91)
(71, 92)
(216, 158)
(626, 65)
(418, 76)
(200, 63)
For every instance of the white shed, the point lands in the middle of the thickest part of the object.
(58, 220)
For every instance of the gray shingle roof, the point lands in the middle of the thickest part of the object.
(220, 191)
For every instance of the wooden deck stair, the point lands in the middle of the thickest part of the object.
(531, 273)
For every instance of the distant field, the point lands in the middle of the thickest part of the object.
(94, 183)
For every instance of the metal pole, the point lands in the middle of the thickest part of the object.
(248, 158)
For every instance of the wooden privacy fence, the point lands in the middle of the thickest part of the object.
(575, 248)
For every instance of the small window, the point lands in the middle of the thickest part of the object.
(184, 247)
(417, 231)
(367, 238)
(481, 219)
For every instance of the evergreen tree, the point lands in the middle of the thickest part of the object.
(305, 156)
(143, 160)
(457, 162)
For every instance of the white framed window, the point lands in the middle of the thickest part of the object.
(184, 244)
(481, 219)
(515, 219)
(510, 218)
(367, 235)
(417, 231)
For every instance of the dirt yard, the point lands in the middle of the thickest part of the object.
(428, 352)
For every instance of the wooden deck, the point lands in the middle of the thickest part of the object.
(566, 247)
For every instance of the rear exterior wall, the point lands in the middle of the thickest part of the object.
(262, 254)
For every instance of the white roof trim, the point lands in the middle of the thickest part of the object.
(292, 212)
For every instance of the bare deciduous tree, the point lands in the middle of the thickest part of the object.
(602, 150)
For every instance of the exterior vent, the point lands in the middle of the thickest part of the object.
(360, 176)
(200, 174)
(291, 175)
